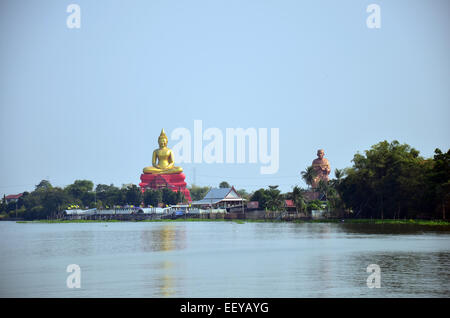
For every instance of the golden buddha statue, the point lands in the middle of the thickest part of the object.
(162, 159)
(322, 167)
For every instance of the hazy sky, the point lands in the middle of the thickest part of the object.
(90, 103)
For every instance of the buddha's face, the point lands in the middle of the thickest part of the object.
(162, 142)
(320, 154)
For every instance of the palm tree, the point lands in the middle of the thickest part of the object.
(275, 199)
(339, 173)
(309, 175)
(324, 188)
(298, 198)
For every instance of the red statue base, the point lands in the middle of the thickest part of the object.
(174, 182)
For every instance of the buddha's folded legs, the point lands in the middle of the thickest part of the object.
(153, 170)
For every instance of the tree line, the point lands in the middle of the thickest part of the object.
(47, 201)
(390, 180)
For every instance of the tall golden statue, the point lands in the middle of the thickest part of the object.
(322, 167)
(162, 160)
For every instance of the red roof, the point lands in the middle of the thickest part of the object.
(13, 196)
(289, 203)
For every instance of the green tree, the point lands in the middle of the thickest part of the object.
(339, 176)
(262, 197)
(308, 175)
(224, 184)
(108, 195)
(11, 206)
(180, 197)
(333, 197)
(169, 197)
(297, 195)
(325, 189)
(133, 195)
(274, 199)
(439, 180)
(53, 201)
(44, 185)
(314, 205)
(243, 193)
(33, 199)
(387, 182)
(152, 197)
(80, 186)
(35, 213)
(3, 204)
(82, 190)
(20, 201)
(198, 193)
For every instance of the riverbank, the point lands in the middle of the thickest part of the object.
(240, 221)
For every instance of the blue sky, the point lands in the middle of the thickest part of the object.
(90, 103)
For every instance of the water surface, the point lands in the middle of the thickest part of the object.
(222, 259)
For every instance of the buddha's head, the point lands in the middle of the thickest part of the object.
(320, 153)
(162, 140)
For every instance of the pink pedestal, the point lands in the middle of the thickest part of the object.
(174, 182)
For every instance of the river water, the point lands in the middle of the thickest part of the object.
(223, 259)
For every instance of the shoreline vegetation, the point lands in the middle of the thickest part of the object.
(242, 221)
(389, 181)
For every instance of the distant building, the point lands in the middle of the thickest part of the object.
(220, 198)
(289, 205)
(253, 205)
(12, 197)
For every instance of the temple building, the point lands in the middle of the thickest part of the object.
(220, 198)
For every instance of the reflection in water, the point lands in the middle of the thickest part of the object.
(325, 270)
(55, 243)
(325, 231)
(165, 238)
(159, 280)
(168, 237)
(166, 282)
(390, 228)
(324, 262)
